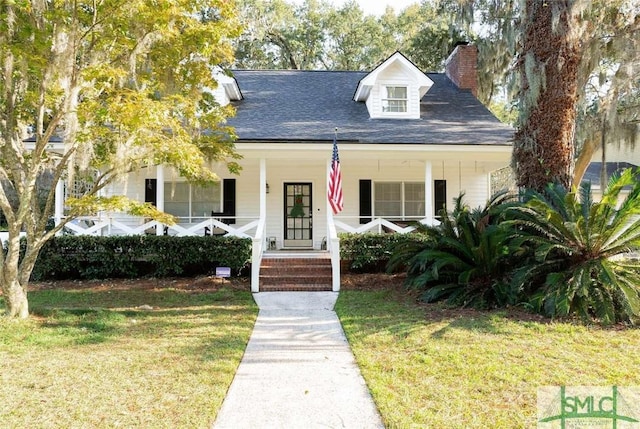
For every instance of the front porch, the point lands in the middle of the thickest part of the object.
(279, 201)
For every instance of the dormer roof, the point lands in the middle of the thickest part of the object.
(230, 86)
(227, 90)
(367, 83)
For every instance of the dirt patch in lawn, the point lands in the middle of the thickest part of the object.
(211, 283)
(201, 283)
(378, 281)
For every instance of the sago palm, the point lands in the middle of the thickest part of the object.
(579, 261)
(465, 259)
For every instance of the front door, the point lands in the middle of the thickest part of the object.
(298, 221)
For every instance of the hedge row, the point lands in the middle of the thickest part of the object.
(370, 252)
(88, 257)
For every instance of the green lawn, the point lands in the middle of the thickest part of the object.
(432, 367)
(93, 358)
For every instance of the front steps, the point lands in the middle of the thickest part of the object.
(300, 271)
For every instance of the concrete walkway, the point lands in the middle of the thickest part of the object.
(298, 370)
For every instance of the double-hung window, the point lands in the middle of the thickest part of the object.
(182, 199)
(395, 100)
(399, 200)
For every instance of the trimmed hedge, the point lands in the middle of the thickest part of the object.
(89, 257)
(370, 252)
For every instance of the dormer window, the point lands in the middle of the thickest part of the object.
(396, 99)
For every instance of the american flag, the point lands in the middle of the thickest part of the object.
(335, 181)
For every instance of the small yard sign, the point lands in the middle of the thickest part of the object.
(223, 272)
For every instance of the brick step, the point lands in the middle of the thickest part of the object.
(295, 262)
(296, 288)
(293, 270)
(295, 274)
(295, 279)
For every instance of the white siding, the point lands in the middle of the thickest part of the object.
(469, 178)
(619, 154)
(463, 171)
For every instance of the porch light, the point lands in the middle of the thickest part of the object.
(267, 188)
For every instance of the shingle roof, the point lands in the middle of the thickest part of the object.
(592, 174)
(293, 105)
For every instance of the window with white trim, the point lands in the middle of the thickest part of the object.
(399, 200)
(395, 100)
(185, 200)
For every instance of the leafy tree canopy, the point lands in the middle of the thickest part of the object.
(124, 85)
(318, 35)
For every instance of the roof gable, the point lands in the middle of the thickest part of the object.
(227, 89)
(396, 65)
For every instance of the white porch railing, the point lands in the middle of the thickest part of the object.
(111, 225)
(377, 225)
(257, 249)
(333, 245)
(243, 227)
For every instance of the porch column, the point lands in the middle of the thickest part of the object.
(160, 194)
(263, 188)
(58, 208)
(257, 248)
(428, 192)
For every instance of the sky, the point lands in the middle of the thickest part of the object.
(372, 7)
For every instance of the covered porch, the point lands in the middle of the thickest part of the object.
(279, 200)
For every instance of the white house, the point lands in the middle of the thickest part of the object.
(408, 143)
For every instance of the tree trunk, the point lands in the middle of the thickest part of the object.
(16, 299)
(603, 167)
(15, 271)
(584, 159)
(14, 292)
(544, 148)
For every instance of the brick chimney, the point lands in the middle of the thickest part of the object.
(462, 67)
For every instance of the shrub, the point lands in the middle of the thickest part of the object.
(466, 259)
(90, 257)
(370, 252)
(576, 264)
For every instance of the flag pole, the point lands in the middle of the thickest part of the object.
(329, 208)
(334, 182)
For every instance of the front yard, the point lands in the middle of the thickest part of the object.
(162, 353)
(432, 367)
(159, 353)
